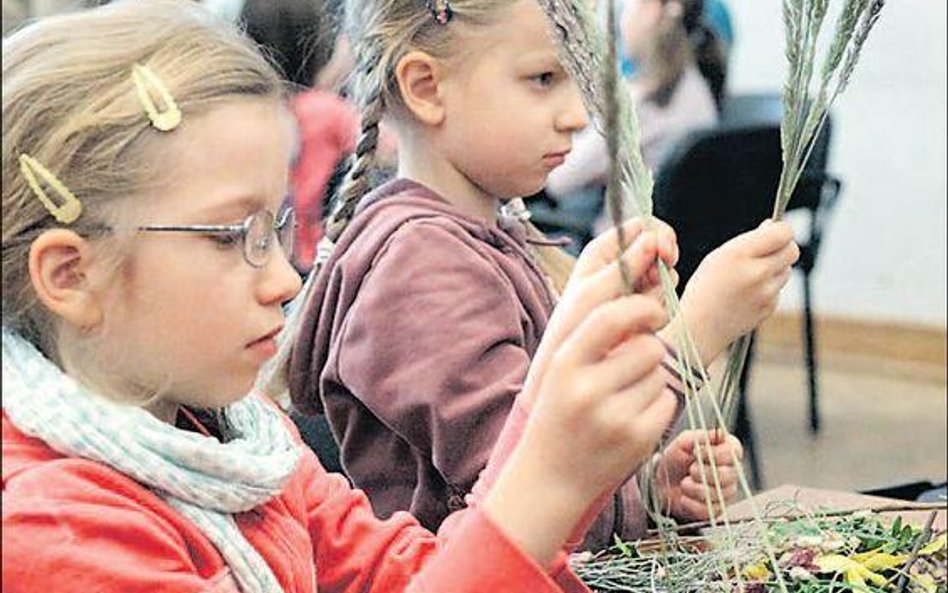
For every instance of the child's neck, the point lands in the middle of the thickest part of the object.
(164, 410)
(418, 162)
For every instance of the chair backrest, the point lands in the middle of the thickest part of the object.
(720, 182)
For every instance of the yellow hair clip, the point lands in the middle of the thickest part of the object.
(144, 79)
(71, 207)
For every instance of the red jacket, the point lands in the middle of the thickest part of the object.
(72, 525)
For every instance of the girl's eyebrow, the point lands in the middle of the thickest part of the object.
(231, 210)
(542, 59)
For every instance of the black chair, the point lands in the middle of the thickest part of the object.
(722, 181)
(573, 219)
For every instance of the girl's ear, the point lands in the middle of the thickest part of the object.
(419, 77)
(59, 266)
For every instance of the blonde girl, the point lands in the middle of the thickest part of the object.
(418, 331)
(145, 155)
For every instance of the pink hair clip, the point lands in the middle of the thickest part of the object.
(442, 14)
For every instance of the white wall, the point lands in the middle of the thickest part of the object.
(884, 253)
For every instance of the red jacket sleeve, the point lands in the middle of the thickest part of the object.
(357, 552)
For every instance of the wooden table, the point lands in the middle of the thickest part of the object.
(816, 499)
(833, 500)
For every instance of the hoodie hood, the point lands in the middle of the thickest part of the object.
(379, 214)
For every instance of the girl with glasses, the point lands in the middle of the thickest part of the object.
(144, 162)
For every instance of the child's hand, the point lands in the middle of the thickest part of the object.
(602, 251)
(737, 286)
(598, 397)
(679, 477)
(596, 279)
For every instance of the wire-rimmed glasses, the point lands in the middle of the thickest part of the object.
(256, 233)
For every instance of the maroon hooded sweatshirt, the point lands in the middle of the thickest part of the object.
(415, 341)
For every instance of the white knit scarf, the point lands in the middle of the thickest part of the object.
(203, 478)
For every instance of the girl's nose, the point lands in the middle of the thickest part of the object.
(280, 281)
(573, 117)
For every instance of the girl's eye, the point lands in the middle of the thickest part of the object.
(224, 240)
(544, 79)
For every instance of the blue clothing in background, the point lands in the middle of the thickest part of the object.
(716, 15)
(719, 19)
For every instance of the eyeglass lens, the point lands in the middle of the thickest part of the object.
(261, 231)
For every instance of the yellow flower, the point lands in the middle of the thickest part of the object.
(926, 582)
(757, 572)
(936, 545)
(860, 568)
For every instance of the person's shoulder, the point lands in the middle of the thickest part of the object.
(58, 485)
(89, 521)
(38, 480)
(323, 112)
(406, 216)
(438, 240)
(694, 99)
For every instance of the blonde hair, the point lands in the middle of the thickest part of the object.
(69, 101)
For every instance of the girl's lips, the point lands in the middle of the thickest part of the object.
(555, 159)
(266, 345)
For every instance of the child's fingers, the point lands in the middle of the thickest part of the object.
(585, 293)
(688, 439)
(695, 508)
(604, 249)
(638, 258)
(770, 237)
(779, 261)
(583, 296)
(692, 489)
(723, 446)
(667, 241)
(727, 474)
(780, 280)
(635, 361)
(650, 405)
(608, 326)
(788, 255)
(723, 452)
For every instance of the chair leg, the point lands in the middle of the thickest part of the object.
(810, 343)
(742, 424)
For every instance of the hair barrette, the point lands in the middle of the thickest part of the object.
(146, 80)
(70, 208)
(443, 13)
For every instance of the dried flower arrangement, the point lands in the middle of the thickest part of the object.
(816, 553)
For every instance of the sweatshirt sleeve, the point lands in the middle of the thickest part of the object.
(355, 551)
(434, 346)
